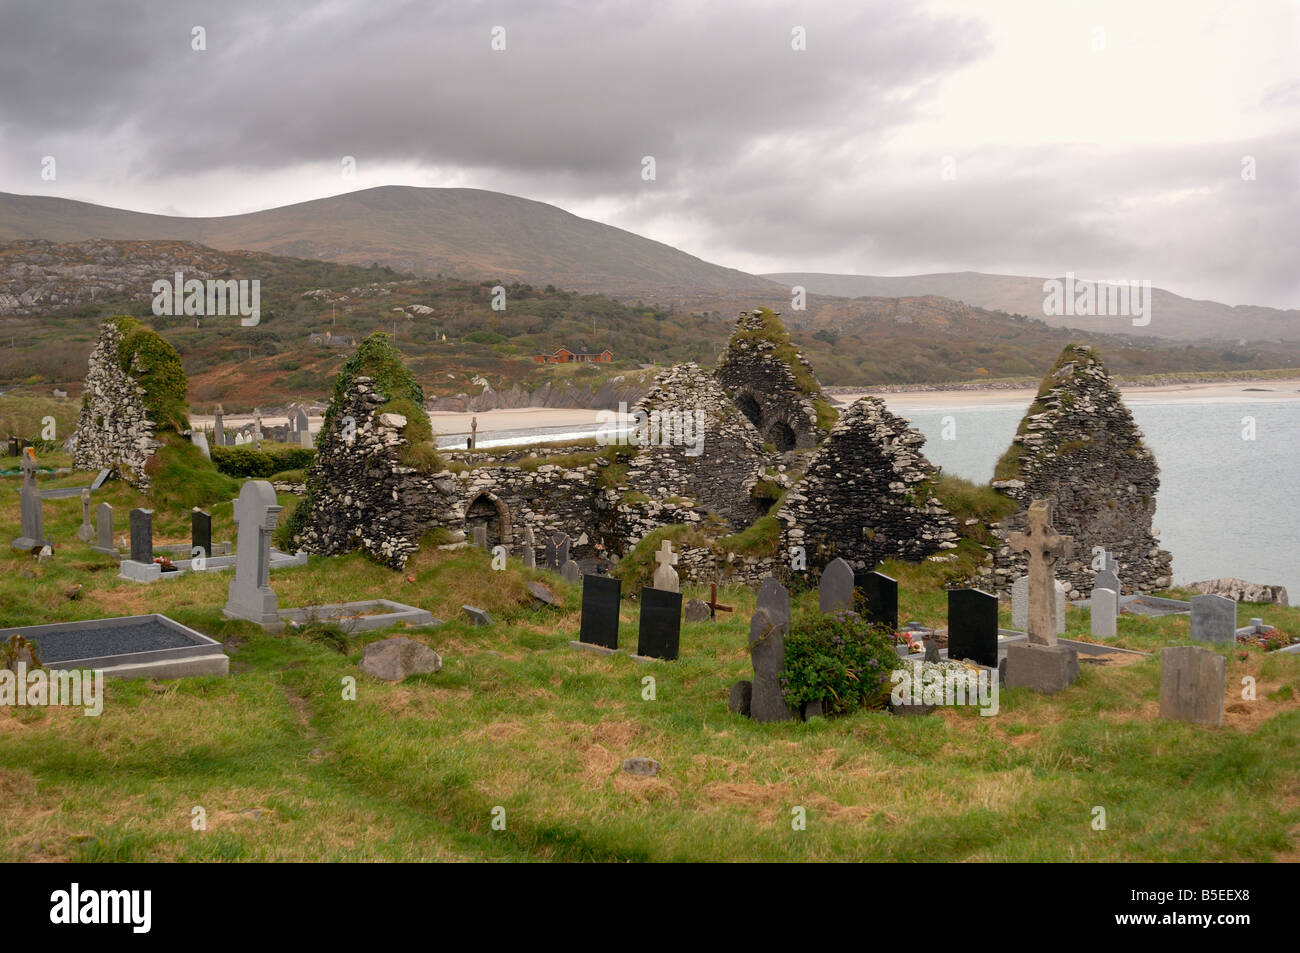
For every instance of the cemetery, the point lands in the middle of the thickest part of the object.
(631, 652)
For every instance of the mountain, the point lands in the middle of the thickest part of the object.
(1172, 316)
(466, 233)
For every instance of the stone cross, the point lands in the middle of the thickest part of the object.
(250, 595)
(85, 532)
(473, 433)
(666, 577)
(33, 520)
(1044, 546)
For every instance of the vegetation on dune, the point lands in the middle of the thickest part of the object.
(182, 478)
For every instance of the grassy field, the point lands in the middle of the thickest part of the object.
(287, 769)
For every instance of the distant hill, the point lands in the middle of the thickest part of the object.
(467, 233)
(1173, 316)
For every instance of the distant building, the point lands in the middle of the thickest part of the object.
(563, 355)
(330, 339)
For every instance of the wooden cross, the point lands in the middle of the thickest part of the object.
(1044, 546)
(714, 605)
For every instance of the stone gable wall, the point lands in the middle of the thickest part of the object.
(114, 430)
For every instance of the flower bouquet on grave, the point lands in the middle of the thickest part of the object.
(165, 564)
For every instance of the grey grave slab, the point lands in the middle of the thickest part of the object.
(835, 591)
(1214, 620)
(476, 615)
(1192, 683)
(100, 479)
(143, 646)
(361, 616)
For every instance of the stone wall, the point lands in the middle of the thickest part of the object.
(114, 430)
(1079, 448)
(697, 471)
(763, 386)
(867, 494)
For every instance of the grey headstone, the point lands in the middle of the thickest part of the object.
(85, 532)
(1104, 610)
(696, 610)
(541, 593)
(530, 548)
(1062, 598)
(1106, 579)
(1214, 620)
(104, 529)
(931, 649)
(1192, 683)
(394, 659)
(250, 595)
(767, 631)
(1020, 604)
(300, 422)
(200, 440)
(571, 573)
(33, 519)
(1041, 668)
(476, 615)
(480, 536)
(218, 429)
(740, 698)
(835, 594)
(100, 479)
(142, 536)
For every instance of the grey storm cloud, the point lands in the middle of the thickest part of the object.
(766, 160)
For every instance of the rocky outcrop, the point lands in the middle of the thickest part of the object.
(702, 457)
(868, 494)
(1079, 448)
(114, 430)
(1241, 591)
(771, 382)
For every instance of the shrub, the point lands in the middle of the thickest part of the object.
(838, 659)
(250, 463)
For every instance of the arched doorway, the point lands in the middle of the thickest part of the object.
(781, 435)
(749, 407)
(488, 510)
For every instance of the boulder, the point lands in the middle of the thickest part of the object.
(1239, 590)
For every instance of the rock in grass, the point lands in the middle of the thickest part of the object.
(696, 610)
(540, 593)
(394, 659)
(643, 767)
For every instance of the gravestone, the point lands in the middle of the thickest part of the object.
(200, 440)
(557, 551)
(85, 532)
(14, 447)
(660, 631)
(1062, 599)
(33, 519)
(200, 532)
(1214, 620)
(880, 597)
(571, 573)
(250, 594)
(100, 479)
(104, 531)
(541, 593)
(1020, 604)
(665, 578)
(1106, 579)
(768, 628)
(476, 615)
(218, 428)
(697, 610)
(1192, 683)
(480, 537)
(1044, 546)
(530, 548)
(141, 536)
(303, 427)
(835, 592)
(973, 626)
(1104, 609)
(600, 599)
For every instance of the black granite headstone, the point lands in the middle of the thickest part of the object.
(14, 448)
(973, 626)
(880, 593)
(201, 532)
(661, 624)
(600, 598)
(142, 536)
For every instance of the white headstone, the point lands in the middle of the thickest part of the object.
(1105, 608)
(665, 576)
(250, 595)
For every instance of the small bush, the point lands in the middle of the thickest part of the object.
(252, 464)
(838, 659)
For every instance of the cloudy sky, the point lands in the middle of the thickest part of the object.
(1032, 137)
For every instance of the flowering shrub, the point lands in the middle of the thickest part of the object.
(840, 660)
